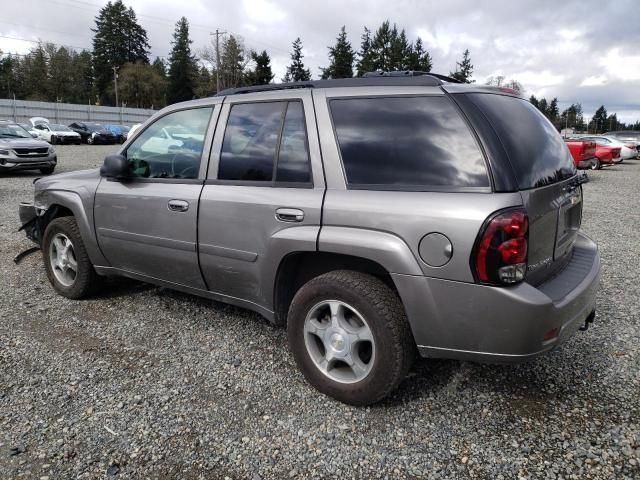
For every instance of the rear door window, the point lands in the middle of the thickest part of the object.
(265, 142)
(536, 151)
(407, 143)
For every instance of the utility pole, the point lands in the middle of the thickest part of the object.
(115, 81)
(217, 33)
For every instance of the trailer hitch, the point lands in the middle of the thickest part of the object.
(589, 320)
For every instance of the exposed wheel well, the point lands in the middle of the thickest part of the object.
(298, 268)
(53, 212)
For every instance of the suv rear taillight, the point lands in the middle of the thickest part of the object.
(500, 253)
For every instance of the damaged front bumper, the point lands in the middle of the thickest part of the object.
(30, 221)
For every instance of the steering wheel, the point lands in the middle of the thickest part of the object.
(191, 171)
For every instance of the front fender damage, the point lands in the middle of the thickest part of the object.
(33, 222)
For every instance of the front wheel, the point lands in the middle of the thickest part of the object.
(89, 140)
(66, 261)
(350, 337)
(596, 165)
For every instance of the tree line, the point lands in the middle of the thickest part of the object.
(120, 55)
(573, 117)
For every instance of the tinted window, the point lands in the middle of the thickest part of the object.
(250, 141)
(536, 151)
(411, 142)
(159, 153)
(293, 159)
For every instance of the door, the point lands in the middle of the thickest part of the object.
(147, 224)
(263, 196)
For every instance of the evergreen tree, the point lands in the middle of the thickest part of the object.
(232, 63)
(35, 72)
(400, 51)
(382, 45)
(365, 61)
(534, 101)
(464, 69)
(262, 74)
(204, 85)
(543, 106)
(118, 39)
(141, 86)
(296, 72)
(60, 73)
(341, 57)
(419, 59)
(599, 120)
(83, 87)
(8, 80)
(183, 67)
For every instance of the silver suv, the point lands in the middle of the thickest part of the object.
(375, 218)
(19, 150)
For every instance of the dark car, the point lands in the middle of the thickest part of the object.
(94, 133)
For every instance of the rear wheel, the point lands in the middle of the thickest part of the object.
(66, 260)
(595, 164)
(350, 337)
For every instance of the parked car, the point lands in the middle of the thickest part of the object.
(626, 151)
(20, 151)
(607, 155)
(627, 136)
(366, 215)
(120, 131)
(93, 133)
(29, 128)
(57, 134)
(583, 153)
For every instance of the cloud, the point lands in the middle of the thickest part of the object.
(556, 49)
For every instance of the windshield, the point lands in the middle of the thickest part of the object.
(59, 128)
(9, 130)
(535, 149)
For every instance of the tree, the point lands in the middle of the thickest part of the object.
(534, 101)
(205, 84)
(572, 117)
(419, 58)
(118, 39)
(400, 50)
(35, 74)
(464, 69)
(141, 85)
(599, 120)
(365, 61)
(341, 57)
(382, 44)
(296, 72)
(60, 73)
(8, 80)
(83, 87)
(183, 66)
(233, 62)
(553, 112)
(262, 74)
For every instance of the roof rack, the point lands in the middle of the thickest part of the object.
(370, 79)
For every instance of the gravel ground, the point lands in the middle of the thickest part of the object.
(144, 382)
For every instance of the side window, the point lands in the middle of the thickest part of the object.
(293, 159)
(412, 143)
(171, 147)
(262, 138)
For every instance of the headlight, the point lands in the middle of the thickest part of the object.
(52, 150)
(4, 152)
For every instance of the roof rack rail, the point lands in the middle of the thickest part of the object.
(370, 79)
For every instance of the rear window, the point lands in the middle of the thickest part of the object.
(535, 149)
(412, 143)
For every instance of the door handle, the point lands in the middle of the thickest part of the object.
(289, 215)
(178, 205)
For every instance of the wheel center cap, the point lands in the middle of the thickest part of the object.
(337, 342)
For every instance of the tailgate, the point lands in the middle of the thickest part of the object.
(555, 215)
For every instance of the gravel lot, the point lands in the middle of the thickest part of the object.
(144, 382)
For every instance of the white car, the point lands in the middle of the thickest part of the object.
(57, 134)
(625, 151)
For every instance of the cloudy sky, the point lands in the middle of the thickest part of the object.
(577, 50)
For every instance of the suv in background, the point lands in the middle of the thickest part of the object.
(375, 218)
(20, 151)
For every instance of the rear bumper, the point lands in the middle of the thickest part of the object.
(8, 164)
(501, 324)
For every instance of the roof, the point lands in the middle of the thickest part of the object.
(371, 79)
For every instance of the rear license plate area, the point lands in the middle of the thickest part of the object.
(569, 219)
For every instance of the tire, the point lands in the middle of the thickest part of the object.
(53, 139)
(47, 170)
(596, 165)
(85, 281)
(89, 140)
(391, 350)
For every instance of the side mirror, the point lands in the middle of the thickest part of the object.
(115, 166)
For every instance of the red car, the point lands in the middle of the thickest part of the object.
(583, 153)
(607, 155)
